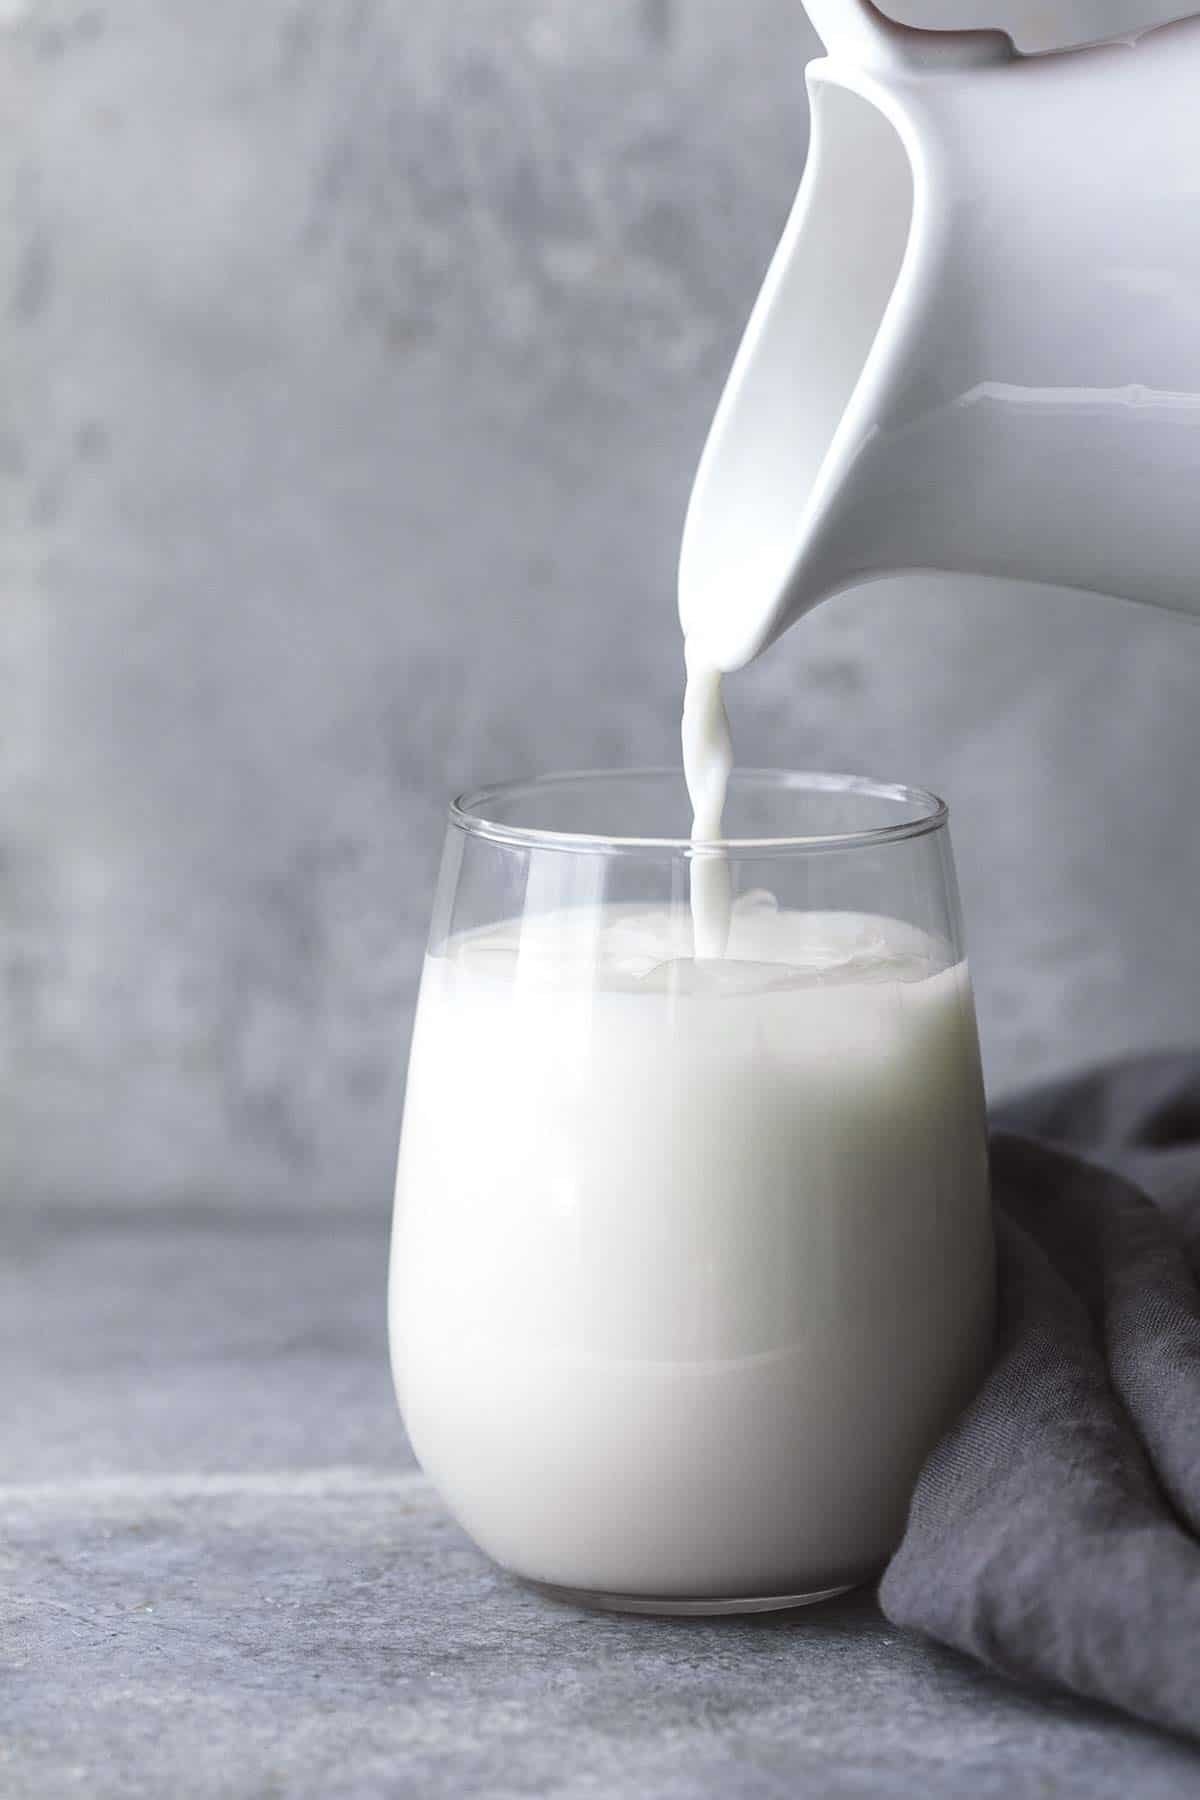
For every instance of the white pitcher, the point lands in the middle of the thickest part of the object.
(977, 349)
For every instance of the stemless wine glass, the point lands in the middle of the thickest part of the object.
(692, 1260)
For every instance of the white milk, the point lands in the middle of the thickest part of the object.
(693, 1260)
(707, 764)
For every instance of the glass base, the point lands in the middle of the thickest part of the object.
(685, 1609)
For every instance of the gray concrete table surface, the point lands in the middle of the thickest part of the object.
(223, 1576)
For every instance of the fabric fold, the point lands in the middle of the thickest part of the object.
(1055, 1531)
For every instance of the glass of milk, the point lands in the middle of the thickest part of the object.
(692, 1260)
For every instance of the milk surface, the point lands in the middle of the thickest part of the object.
(693, 1260)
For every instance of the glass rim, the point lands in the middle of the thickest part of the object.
(929, 813)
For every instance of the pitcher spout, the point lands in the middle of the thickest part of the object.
(804, 393)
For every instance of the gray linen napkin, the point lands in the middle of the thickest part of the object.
(1055, 1532)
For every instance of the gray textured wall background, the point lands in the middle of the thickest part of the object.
(356, 360)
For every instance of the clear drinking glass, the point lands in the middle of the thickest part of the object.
(692, 1260)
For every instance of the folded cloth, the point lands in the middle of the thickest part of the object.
(1055, 1532)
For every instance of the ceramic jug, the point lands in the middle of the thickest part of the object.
(977, 348)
